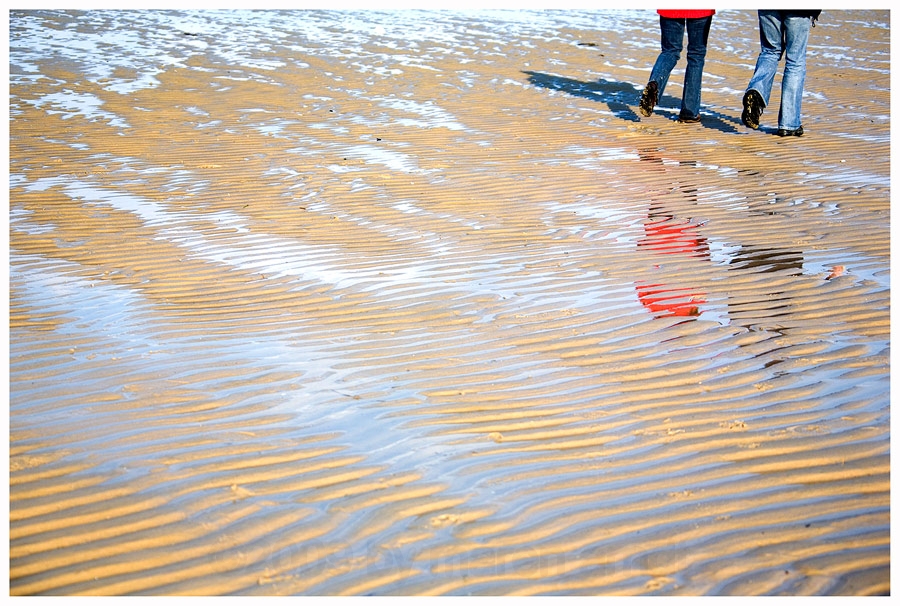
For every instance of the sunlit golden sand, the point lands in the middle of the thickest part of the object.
(419, 304)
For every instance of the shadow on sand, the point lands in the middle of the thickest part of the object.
(617, 95)
(621, 96)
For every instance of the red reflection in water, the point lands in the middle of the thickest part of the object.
(663, 301)
(666, 235)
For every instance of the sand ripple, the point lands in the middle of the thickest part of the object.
(415, 303)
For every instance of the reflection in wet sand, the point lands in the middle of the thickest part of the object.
(667, 235)
(413, 303)
(765, 260)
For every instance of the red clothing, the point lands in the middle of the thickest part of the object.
(685, 14)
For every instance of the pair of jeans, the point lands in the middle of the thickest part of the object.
(672, 41)
(782, 33)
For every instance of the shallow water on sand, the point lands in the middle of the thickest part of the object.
(415, 302)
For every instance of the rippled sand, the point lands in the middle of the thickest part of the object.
(417, 303)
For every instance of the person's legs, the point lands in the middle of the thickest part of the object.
(698, 36)
(771, 49)
(756, 97)
(796, 30)
(671, 43)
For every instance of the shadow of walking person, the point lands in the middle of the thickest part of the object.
(618, 96)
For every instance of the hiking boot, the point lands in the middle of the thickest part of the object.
(753, 109)
(648, 98)
(784, 132)
(684, 118)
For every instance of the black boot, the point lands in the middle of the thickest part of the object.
(648, 98)
(784, 132)
(753, 109)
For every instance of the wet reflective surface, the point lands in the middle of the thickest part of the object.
(415, 303)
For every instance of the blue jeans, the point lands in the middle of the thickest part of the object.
(782, 34)
(672, 40)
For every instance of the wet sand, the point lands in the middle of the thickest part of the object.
(420, 304)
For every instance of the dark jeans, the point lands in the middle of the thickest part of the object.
(672, 41)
